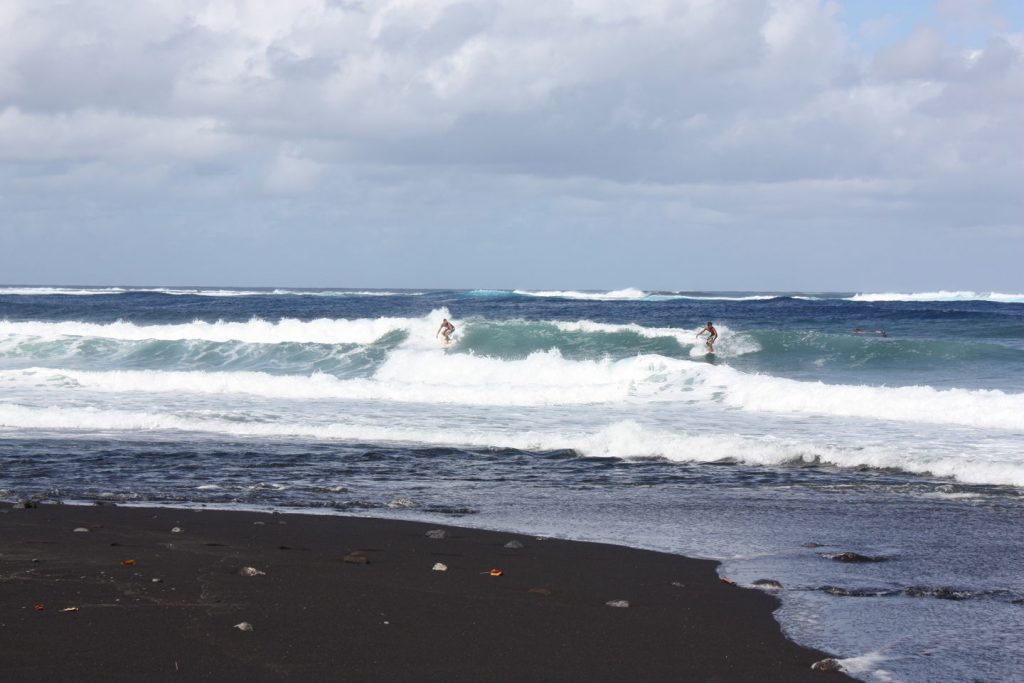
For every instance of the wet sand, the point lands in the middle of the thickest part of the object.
(356, 599)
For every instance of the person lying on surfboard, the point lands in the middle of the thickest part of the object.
(445, 331)
(712, 336)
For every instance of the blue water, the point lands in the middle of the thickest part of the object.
(590, 415)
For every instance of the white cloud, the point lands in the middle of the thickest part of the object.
(683, 112)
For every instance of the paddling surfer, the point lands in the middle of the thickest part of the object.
(445, 331)
(712, 336)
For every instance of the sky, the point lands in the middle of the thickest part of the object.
(774, 145)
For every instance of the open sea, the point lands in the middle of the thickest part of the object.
(584, 415)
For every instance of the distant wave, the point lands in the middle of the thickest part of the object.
(632, 294)
(180, 291)
(942, 295)
(254, 331)
(614, 295)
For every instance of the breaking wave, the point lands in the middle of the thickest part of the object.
(624, 439)
(941, 295)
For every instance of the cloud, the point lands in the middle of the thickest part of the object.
(672, 115)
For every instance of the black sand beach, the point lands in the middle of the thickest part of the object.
(356, 599)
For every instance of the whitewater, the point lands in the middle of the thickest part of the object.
(867, 421)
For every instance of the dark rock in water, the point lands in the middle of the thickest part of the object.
(860, 592)
(104, 503)
(437, 533)
(852, 557)
(515, 545)
(354, 558)
(454, 511)
(768, 583)
(827, 665)
(813, 545)
(942, 593)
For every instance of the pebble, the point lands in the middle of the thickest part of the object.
(618, 603)
(81, 530)
(251, 571)
(244, 626)
(770, 584)
(177, 530)
(515, 545)
(440, 567)
(437, 533)
(157, 580)
(354, 558)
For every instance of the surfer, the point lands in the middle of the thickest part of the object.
(445, 331)
(712, 336)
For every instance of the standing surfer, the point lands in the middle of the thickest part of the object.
(445, 331)
(712, 336)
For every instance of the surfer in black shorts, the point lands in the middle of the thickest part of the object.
(712, 336)
(445, 331)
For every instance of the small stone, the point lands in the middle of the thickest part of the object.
(852, 557)
(618, 603)
(259, 523)
(727, 581)
(176, 530)
(157, 580)
(24, 505)
(827, 665)
(244, 626)
(770, 584)
(679, 584)
(354, 558)
(81, 530)
(514, 545)
(251, 571)
(440, 567)
(437, 533)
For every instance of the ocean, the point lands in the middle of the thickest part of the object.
(887, 425)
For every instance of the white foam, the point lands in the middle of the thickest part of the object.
(194, 291)
(624, 439)
(420, 372)
(968, 407)
(723, 297)
(409, 375)
(941, 295)
(65, 291)
(254, 331)
(614, 295)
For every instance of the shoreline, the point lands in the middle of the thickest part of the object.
(357, 599)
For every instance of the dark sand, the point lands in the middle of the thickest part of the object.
(316, 617)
